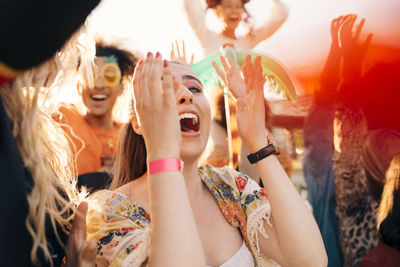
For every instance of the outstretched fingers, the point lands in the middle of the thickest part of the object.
(155, 79)
(144, 76)
(335, 25)
(137, 85)
(258, 75)
(183, 49)
(367, 41)
(224, 64)
(168, 84)
(358, 28)
(218, 70)
(248, 73)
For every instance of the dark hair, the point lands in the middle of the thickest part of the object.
(126, 60)
(211, 4)
(131, 157)
(389, 208)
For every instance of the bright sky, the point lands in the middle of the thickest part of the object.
(301, 43)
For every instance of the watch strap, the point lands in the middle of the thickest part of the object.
(263, 153)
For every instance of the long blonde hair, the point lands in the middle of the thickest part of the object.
(391, 190)
(41, 142)
(389, 208)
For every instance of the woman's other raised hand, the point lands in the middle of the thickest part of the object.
(231, 76)
(352, 49)
(250, 106)
(156, 108)
(247, 85)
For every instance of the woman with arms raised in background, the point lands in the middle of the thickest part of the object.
(232, 13)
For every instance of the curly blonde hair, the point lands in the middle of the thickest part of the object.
(41, 142)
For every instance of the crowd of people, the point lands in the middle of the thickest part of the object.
(85, 188)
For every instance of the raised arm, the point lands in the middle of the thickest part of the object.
(318, 129)
(353, 201)
(195, 15)
(349, 121)
(276, 17)
(174, 237)
(294, 239)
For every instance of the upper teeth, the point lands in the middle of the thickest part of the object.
(99, 96)
(189, 116)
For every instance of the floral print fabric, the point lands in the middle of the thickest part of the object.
(122, 228)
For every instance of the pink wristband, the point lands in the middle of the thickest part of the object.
(165, 165)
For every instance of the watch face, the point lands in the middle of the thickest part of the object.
(273, 144)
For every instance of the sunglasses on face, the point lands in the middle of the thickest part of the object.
(110, 74)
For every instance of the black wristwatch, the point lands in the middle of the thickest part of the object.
(264, 152)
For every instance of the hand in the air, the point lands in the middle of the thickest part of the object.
(156, 107)
(179, 54)
(250, 106)
(353, 51)
(231, 75)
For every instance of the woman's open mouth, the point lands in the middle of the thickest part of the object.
(234, 19)
(189, 122)
(98, 97)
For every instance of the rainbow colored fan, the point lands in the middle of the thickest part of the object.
(277, 77)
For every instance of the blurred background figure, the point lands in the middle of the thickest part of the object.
(94, 134)
(356, 115)
(318, 143)
(388, 252)
(231, 13)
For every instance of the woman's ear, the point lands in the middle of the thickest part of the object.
(135, 125)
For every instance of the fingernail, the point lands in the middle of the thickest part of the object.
(165, 63)
(149, 54)
(158, 54)
(141, 62)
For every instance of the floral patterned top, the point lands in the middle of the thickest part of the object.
(122, 228)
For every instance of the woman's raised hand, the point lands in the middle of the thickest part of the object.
(335, 26)
(330, 76)
(179, 54)
(352, 49)
(231, 76)
(156, 108)
(250, 106)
